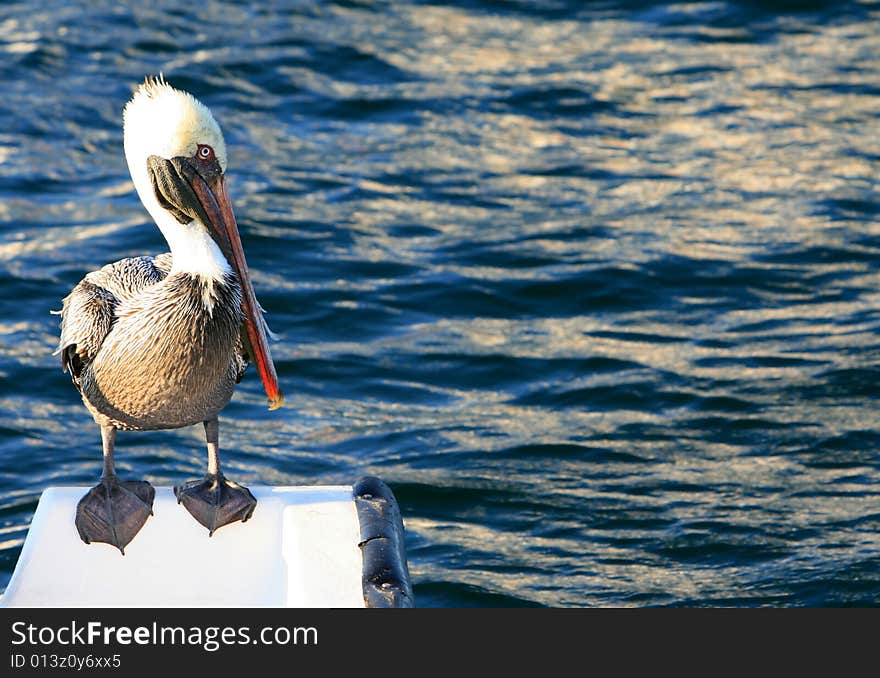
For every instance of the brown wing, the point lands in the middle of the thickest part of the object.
(89, 311)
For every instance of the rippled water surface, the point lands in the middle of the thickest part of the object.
(595, 287)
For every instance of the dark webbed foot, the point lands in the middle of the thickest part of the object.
(216, 501)
(113, 511)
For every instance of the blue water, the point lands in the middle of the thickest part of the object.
(595, 287)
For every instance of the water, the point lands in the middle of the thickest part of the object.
(595, 287)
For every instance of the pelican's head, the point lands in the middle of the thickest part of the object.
(177, 159)
(169, 123)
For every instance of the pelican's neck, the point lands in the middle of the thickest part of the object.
(193, 251)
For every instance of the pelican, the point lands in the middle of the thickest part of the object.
(160, 342)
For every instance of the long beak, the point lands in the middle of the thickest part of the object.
(215, 201)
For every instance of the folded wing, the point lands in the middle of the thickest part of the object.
(89, 311)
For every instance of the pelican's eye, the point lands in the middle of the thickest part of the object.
(204, 152)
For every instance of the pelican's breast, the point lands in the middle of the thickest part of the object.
(170, 359)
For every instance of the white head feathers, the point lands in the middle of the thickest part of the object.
(164, 121)
(167, 122)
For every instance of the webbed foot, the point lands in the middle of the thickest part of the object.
(114, 511)
(216, 501)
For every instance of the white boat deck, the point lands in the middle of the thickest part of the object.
(300, 549)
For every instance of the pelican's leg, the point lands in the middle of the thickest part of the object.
(215, 501)
(113, 511)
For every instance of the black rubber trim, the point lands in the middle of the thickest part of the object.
(386, 576)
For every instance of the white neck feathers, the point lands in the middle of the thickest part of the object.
(193, 250)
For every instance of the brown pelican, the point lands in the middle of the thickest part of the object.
(159, 343)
